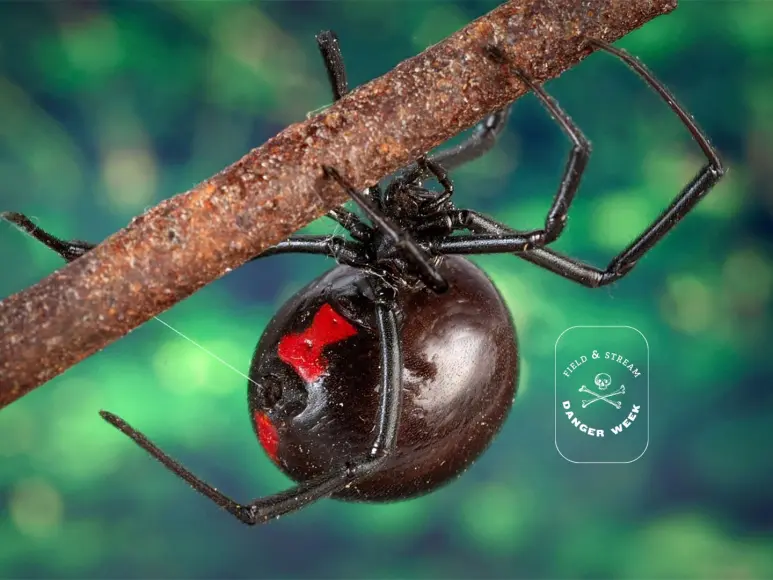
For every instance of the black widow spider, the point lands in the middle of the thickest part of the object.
(390, 374)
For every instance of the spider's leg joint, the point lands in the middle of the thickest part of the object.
(718, 170)
(554, 226)
(615, 271)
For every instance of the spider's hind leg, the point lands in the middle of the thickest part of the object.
(293, 499)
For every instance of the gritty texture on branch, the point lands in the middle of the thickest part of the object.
(188, 241)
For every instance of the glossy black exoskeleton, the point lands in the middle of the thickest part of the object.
(459, 364)
(389, 375)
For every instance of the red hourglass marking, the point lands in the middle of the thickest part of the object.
(303, 351)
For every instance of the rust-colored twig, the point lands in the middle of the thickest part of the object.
(190, 240)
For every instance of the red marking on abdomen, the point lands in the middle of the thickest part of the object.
(303, 351)
(267, 435)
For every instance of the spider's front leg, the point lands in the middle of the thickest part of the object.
(490, 236)
(687, 198)
(69, 250)
(384, 443)
(344, 251)
(624, 262)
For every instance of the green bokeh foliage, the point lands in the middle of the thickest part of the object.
(107, 109)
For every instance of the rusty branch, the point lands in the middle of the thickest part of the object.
(188, 241)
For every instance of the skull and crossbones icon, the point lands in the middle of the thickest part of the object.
(602, 380)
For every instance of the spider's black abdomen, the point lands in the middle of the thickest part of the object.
(318, 370)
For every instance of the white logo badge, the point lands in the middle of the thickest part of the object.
(602, 394)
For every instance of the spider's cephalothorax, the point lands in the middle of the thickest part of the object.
(387, 376)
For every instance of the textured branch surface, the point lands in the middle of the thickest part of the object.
(188, 241)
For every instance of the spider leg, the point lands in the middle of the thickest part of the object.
(624, 262)
(267, 508)
(438, 172)
(687, 198)
(69, 250)
(327, 41)
(351, 222)
(482, 140)
(575, 165)
(343, 251)
(593, 277)
(329, 48)
(490, 236)
(402, 240)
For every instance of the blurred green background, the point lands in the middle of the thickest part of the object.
(106, 109)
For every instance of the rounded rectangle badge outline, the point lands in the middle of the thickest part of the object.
(555, 394)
